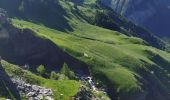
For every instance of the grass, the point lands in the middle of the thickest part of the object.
(112, 54)
(66, 87)
(123, 61)
(2, 98)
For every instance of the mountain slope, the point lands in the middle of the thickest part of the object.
(123, 58)
(129, 68)
(57, 14)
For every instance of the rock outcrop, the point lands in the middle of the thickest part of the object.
(33, 92)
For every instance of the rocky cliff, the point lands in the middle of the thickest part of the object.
(152, 14)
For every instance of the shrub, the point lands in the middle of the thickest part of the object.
(67, 72)
(18, 72)
(62, 77)
(41, 70)
(54, 75)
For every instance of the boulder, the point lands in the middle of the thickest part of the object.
(35, 88)
(31, 94)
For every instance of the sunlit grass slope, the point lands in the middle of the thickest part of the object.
(116, 60)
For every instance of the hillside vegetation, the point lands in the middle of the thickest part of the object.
(126, 65)
(67, 87)
(125, 59)
(63, 15)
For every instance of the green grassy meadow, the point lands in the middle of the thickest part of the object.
(110, 54)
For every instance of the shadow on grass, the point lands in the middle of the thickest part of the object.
(28, 48)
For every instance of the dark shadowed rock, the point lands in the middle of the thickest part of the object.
(7, 87)
(3, 17)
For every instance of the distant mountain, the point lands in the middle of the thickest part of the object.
(152, 14)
